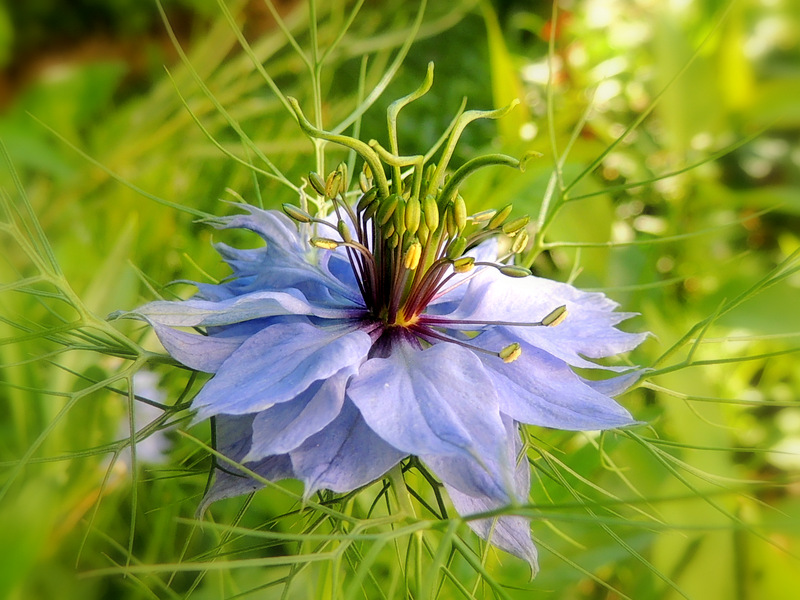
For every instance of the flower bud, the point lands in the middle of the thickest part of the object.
(342, 168)
(370, 211)
(430, 171)
(423, 232)
(450, 222)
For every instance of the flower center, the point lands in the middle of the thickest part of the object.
(406, 252)
(406, 321)
(405, 247)
(408, 234)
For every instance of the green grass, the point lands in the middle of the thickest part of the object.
(668, 178)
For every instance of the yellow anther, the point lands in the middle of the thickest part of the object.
(520, 242)
(510, 353)
(514, 271)
(465, 264)
(500, 217)
(484, 215)
(412, 256)
(324, 243)
(555, 317)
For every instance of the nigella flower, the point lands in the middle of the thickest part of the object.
(392, 328)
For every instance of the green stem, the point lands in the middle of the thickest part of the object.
(401, 491)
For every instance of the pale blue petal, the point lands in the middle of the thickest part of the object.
(233, 441)
(277, 364)
(614, 386)
(588, 330)
(285, 426)
(344, 456)
(287, 260)
(256, 305)
(452, 293)
(540, 389)
(340, 267)
(438, 402)
(272, 226)
(199, 352)
(509, 533)
(469, 476)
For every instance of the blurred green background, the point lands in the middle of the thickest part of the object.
(676, 217)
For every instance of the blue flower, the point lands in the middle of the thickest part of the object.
(336, 358)
(396, 325)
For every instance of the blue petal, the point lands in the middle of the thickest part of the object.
(452, 293)
(256, 305)
(199, 352)
(437, 402)
(233, 440)
(344, 456)
(277, 364)
(588, 329)
(509, 533)
(285, 426)
(287, 261)
(540, 389)
(614, 386)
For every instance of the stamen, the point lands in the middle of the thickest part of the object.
(484, 215)
(520, 242)
(386, 209)
(334, 184)
(317, 183)
(510, 353)
(514, 271)
(413, 213)
(501, 216)
(324, 243)
(427, 332)
(456, 248)
(556, 317)
(512, 228)
(553, 318)
(431, 211)
(412, 256)
(344, 231)
(296, 214)
(465, 264)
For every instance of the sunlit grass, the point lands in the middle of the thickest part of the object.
(629, 196)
